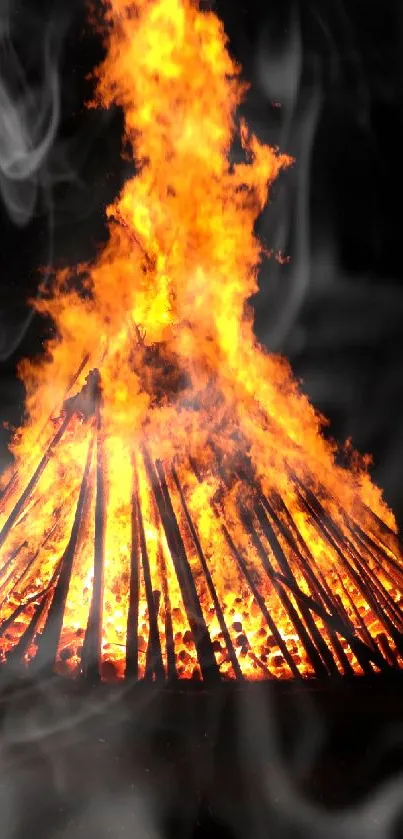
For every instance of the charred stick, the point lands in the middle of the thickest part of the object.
(361, 623)
(306, 560)
(315, 648)
(92, 646)
(18, 652)
(390, 538)
(358, 647)
(261, 603)
(132, 640)
(169, 634)
(10, 560)
(394, 611)
(74, 378)
(11, 483)
(387, 651)
(49, 640)
(20, 649)
(386, 603)
(327, 531)
(211, 587)
(204, 648)
(19, 610)
(340, 653)
(306, 602)
(334, 621)
(380, 555)
(154, 663)
(362, 578)
(18, 507)
(29, 564)
(304, 635)
(359, 543)
(254, 589)
(201, 637)
(150, 659)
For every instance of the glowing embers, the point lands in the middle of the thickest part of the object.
(162, 570)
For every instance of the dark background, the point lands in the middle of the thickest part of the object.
(336, 309)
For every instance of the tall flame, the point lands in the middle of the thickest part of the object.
(163, 312)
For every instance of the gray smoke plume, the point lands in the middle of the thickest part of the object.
(31, 44)
(29, 117)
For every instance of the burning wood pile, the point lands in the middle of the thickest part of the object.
(174, 510)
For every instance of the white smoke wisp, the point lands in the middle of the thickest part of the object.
(30, 53)
(29, 110)
(279, 70)
(28, 127)
(277, 798)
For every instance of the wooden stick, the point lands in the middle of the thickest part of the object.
(18, 652)
(312, 642)
(387, 651)
(10, 560)
(49, 640)
(169, 635)
(362, 577)
(154, 657)
(261, 603)
(236, 553)
(217, 606)
(19, 506)
(319, 516)
(202, 640)
(132, 640)
(316, 582)
(29, 564)
(11, 482)
(91, 654)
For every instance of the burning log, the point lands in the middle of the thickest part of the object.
(223, 626)
(132, 649)
(208, 665)
(50, 637)
(154, 665)
(91, 653)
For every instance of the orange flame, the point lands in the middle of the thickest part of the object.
(166, 320)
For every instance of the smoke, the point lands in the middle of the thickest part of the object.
(278, 795)
(307, 61)
(279, 73)
(31, 161)
(244, 762)
(29, 117)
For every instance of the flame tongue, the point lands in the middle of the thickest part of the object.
(227, 540)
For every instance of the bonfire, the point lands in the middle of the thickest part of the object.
(174, 510)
